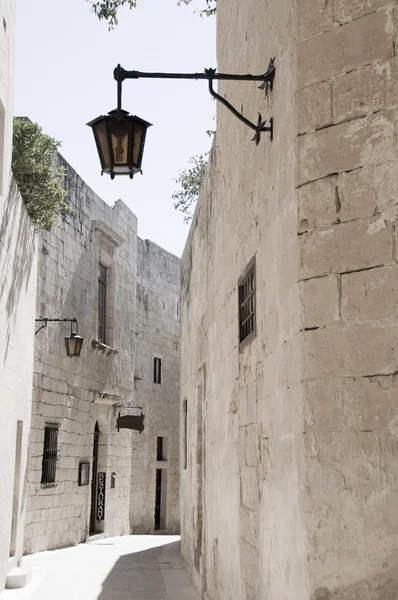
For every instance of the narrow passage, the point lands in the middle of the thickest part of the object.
(120, 568)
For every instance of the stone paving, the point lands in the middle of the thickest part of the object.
(120, 568)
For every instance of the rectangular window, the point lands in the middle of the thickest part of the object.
(247, 304)
(157, 370)
(159, 448)
(101, 302)
(185, 432)
(50, 450)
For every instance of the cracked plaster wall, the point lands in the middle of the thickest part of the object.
(300, 428)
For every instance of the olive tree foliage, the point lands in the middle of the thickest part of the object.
(190, 181)
(107, 10)
(37, 176)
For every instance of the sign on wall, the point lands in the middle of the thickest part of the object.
(101, 496)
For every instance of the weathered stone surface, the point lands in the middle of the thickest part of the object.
(363, 41)
(350, 350)
(361, 92)
(357, 195)
(317, 204)
(313, 17)
(386, 185)
(314, 107)
(319, 301)
(344, 247)
(370, 296)
(365, 403)
(349, 10)
(347, 146)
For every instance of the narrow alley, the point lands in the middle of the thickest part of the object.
(119, 568)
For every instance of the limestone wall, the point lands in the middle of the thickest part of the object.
(157, 335)
(290, 483)
(18, 266)
(347, 177)
(78, 392)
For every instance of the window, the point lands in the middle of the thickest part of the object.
(185, 432)
(101, 302)
(157, 370)
(247, 304)
(159, 449)
(49, 464)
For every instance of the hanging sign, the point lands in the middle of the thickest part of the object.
(101, 496)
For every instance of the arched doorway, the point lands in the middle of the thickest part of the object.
(94, 479)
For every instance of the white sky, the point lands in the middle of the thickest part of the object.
(64, 78)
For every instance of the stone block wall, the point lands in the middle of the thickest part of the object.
(290, 483)
(347, 203)
(157, 335)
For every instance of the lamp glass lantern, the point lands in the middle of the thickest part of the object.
(120, 139)
(73, 343)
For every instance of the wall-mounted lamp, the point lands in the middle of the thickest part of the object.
(120, 137)
(73, 342)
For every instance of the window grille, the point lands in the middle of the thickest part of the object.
(247, 304)
(101, 302)
(157, 370)
(50, 451)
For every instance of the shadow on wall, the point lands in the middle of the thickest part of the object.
(17, 239)
(139, 576)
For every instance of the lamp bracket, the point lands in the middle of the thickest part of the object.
(267, 82)
(46, 320)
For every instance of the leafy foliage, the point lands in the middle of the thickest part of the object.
(108, 9)
(38, 179)
(190, 181)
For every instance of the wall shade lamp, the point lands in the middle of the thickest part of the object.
(120, 137)
(73, 342)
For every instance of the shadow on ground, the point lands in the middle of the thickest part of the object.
(154, 574)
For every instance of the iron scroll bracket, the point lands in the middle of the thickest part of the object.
(46, 320)
(266, 79)
(261, 125)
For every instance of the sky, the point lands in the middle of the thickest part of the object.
(64, 78)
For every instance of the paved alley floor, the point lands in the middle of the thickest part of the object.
(133, 567)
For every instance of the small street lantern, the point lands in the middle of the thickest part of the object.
(120, 139)
(73, 342)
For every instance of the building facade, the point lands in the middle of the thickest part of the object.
(18, 266)
(289, 314)
(85, 460)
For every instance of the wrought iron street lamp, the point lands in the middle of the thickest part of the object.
(120, 137)
(73, 342)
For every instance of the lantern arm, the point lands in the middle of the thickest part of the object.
(259, 128)
(46, 320)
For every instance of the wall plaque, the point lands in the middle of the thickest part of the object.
(101, 496)
(84, 472)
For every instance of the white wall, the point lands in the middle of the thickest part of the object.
(18, 266)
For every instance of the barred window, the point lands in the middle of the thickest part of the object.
(247, 304)
(101, 302)
(157, 370)
(50, 450)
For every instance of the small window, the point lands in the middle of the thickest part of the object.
(50, 451)
(247, 304)
(159, 449)
(101, 303)
(185, 432)
(157, 370)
